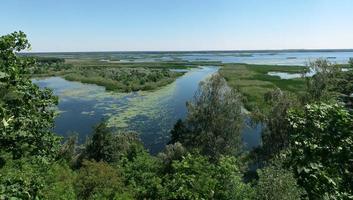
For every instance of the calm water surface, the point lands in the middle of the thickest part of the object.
(152, 114)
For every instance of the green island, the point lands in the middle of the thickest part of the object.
(306, 146)
(114, 76)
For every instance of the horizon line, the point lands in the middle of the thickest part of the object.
(201, 51)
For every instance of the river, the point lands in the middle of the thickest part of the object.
(153, 114)
(150, 113)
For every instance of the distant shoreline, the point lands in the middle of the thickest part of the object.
(200, 51)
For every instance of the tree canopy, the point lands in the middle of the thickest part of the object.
(214, 120)
(26, 112)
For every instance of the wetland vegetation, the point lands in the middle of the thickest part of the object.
(306, 150)
(253, 81)
(114, 76)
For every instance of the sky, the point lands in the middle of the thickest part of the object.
(179, 25)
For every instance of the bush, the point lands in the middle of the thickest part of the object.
(104, 145)
(99, 180)
(31, 178)
(322, 150)
(142, 174)
(276, 184)
(194, 177)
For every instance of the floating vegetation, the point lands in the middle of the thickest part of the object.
(147, 104)
(88, 112)
(151, 113)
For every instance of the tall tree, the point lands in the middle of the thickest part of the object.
(321, 85)
(214, 120)
(345, 85)
(26, 111)
(104, 145)
(275, 136)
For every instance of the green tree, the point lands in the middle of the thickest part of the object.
(276, 183)
(322, 150)
(67, 150)
(194, 177)
(275, 136)
(26, 112)
(321, 85)
(104, 145)
(100, 145)
(59, 182)
(171, 153)
(214, 120)
(229, 178)
(142, 173)
(345, 87)
(191, 178)
(99, 180)
(21, 179)
(350, 62)
(34, 178)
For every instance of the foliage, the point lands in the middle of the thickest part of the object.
(194, 177)
(59, 182)
(191, 178)
(19, 179)
(142, 174)
(275, 136)
(214, 120)
(124, 79)
(199, 162)
(49, 60)
(322, 150)
(253, 81)
(171, 153)
(230, 183)
(350, 62)
(276, 183)
(104, 145)
(67, 150)
(31, 178)
(26, 112)
(100, 146)
(99, 180)
(321, 86)
(345, 88)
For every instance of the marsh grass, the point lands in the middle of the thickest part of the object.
(118, 76)
(253, 81)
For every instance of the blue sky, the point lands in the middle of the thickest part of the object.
(109, 25)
